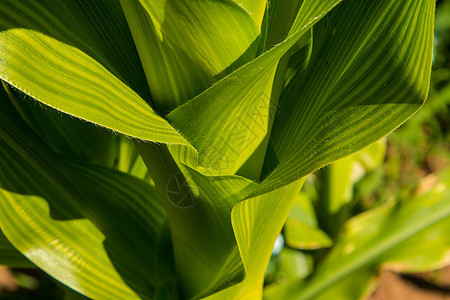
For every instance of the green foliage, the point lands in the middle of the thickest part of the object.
(156, 149)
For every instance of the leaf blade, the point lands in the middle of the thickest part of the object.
(68, 80)
(78, 222)
(352, 85)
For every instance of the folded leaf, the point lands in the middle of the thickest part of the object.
(257, 223)
(68, 80)
(181, 63)
(228, 121)
(368, 73)
(98, 28)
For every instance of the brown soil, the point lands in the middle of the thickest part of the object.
(7, 280)
(424, 286)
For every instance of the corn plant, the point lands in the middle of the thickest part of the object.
(153, 149)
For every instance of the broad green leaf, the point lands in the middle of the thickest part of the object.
(64, 134)
(158, 159)
(386, 236)
(70, 81)
(98, 28)
(228, 121)
(281, 14)
(92, 228)
(255, 8)
(300, 58)
(256, 223)
(368, 73)
(253, 165)
(301, 230)
(10, 256)
(181, 63)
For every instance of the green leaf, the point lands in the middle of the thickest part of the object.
(368, 73)
(10, 256)
(280, 17)
(256, 223)
(189, 115)
(228, 121)
(64, 134)
(181, 63)
(91, 228)
(98, 28)
(68, 80)
(408, 236)
(301, 230)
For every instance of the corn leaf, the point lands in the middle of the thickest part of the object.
(46, 59)
(193, 200)
(10, 256)
(180, 64)
(256, 223)
(94, 229)
(366, 76)
(228, 121)
(64, 134)
(68, 80)
(98, 28)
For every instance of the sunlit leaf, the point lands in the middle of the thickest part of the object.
(91, 228)
(368, 73)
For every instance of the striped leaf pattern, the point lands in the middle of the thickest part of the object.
(223, 99)
(92, 228)
(362, 84)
